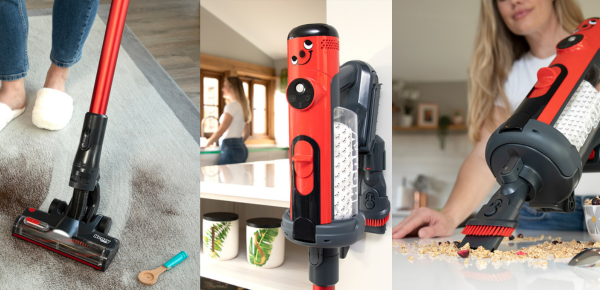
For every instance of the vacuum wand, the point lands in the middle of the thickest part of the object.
(538, 154)
(108, 57)
(75, 230)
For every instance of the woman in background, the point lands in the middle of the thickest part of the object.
(514, 40)
(236, 115)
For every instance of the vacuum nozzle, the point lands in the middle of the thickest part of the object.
(84, 243)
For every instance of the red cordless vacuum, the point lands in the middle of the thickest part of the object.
(539, 154)
(74, 230)
(335, 157)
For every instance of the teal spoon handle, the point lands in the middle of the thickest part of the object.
(176, 260)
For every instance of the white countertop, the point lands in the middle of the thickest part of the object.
(251, 148)
(264, 183)
(440, 273)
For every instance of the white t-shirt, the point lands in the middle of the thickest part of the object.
(521, 79)
(236, 128)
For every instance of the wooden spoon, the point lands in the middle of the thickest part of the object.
(149, 277)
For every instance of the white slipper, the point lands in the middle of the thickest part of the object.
(53, 109)
(7, 114)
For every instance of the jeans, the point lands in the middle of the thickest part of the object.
(71, 24)
(233, 150)
(530, 219)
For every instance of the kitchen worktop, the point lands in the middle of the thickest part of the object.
(251, 148)
(439, 272)
(210, 155)
(263, 182)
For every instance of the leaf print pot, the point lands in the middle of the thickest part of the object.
(220, 236)
(592, 221)
(265, 242)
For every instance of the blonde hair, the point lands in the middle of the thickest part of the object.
(237, 87)
(496, 48)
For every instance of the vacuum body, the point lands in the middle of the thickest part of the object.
(331, 111)
(539, 153)
(75, 230)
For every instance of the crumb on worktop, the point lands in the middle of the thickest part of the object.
(546, 249)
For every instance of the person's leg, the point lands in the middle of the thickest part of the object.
(532, 220)
(226, 152)
(14, 64)
(245, 151)
(71, 24)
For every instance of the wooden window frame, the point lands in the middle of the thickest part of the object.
(221, 77)
(245, 71)
(250, 126)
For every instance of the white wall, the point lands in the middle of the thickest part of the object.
(433, 39)
(365, 29)
(218, 39)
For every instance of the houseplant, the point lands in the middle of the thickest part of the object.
(443, 124)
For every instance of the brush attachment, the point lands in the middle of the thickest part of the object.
(373, 201)
(498, 218)
(487, 231)
(377, 223)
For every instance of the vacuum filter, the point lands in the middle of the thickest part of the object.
(346, 164)
(580, 115)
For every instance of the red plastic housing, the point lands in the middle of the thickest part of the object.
(576, 60)
(318, 63)
(108, 57)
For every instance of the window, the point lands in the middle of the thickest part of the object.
(259, 86)
(210, 100)
(256, 90)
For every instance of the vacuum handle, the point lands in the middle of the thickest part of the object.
(176, 260)
(108, 57)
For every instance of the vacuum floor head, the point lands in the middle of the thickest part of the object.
(83, 242)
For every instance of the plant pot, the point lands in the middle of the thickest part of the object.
(221, 232)
(265, 242)
(458, 120)
(406, 121)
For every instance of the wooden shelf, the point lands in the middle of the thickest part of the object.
(402, 213)
(291, 275)
(457, 128)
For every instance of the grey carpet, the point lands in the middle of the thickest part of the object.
(150, 181)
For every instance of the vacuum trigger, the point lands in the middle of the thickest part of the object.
(315, 256)
(344, 252)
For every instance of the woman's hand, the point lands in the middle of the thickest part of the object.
(472, 185)
(428, 223)
(220, 131)
(207, 145)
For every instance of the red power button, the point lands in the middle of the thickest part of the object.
(546, 77)
(303, 167)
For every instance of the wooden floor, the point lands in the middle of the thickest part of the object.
(170, 30)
